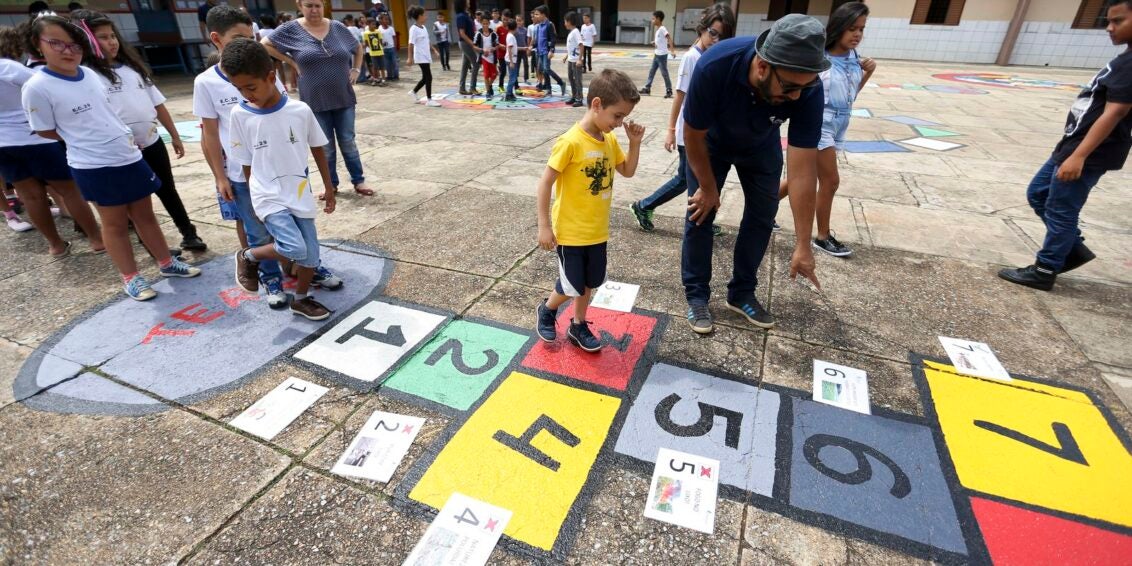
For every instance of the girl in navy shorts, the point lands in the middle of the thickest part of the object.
(67, 101)
(28, 161)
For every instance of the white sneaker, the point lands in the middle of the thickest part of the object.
(19, 225)
(413, 95)
(55, 212)
(432, 103)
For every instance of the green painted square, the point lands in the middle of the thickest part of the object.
(458, 364)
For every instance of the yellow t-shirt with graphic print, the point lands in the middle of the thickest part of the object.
(373, 42)
(584, 190)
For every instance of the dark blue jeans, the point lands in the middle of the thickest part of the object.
(339, 124)
(547, 74)
(675, 186)
(1059, 206)
(659, 62)
(759, 174)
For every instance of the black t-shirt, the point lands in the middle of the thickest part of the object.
(1112, 84)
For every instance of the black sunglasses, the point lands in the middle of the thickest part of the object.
(789, 87)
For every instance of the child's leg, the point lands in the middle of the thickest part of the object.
(157, 156)
(664, 72)
(35, 202)
(581, 305)
(145, 224)
(426, 72)
(241, 234)
(828, 182)
(295, 241)
(1038, 191)
(116, 235)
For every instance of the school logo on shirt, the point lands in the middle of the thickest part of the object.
(115, 89)
(261, 144)
(228, 100)
(599, 173)
(81, 108)
(291, 138)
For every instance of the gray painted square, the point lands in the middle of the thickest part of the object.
(925, 514)
(749, 465)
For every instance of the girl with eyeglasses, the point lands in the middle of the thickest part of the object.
(67, 101)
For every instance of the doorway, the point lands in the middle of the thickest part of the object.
(608, 30)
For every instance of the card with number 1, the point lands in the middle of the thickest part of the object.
(683, 490)
(463, 533)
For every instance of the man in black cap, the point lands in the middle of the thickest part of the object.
(741, 93)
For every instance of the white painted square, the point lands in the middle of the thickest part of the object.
(391, 332)
(379, 447)
(616, 296)
(974, 358)
(683, 490)
(926, 143)
(841, 386)
(463, 533)
(274, 411)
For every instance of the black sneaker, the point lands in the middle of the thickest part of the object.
(644, 217)
(832, 247)
(577, 104)
(546, 322)
(716, 230)
(563, 87)
(699, 318)
(1036, 276)
(753, 312)
(668, 94)
(193, 243)
(1078, 256)
(775, 227)
(579, 333)
(645, 91)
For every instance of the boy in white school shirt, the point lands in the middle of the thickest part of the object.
(662, 42)
(271, 136)
(589, 34)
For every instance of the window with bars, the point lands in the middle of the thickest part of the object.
(937, 12)
(1091, 15)
(779, 8)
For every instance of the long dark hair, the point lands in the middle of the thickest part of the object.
(127, 55)
(722, 13)
(35, 30)
(842, 19)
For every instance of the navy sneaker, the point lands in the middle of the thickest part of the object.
(753, 312)
(546, 322)
(699, 317)
(579, 333)
(1036, 276)
(324, 279)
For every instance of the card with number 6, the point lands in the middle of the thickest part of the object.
(463, 533)
(683, 490)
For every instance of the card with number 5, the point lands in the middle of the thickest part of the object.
(683, 490)
(463, 533)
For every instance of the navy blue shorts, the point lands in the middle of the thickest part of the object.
(115, 186)
(579, 268)
(43, 161)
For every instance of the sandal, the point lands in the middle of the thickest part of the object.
(363, 190)
(66, 251)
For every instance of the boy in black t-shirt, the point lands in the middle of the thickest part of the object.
(1098, 135)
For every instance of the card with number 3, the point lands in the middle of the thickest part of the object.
(463, 533)
(683, 490)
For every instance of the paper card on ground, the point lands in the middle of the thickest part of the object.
(274, 411)
(463, 533)
(974, 358)
(928, 143)
(683, 490)
(616, 296)
(379, 447)
(841, 386)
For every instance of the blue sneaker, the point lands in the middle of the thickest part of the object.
(179, 269)
(273, 292)
(753, 312)
(138, 289)
(546, 322)
(324, 279)
(579, 333)
(699, 318)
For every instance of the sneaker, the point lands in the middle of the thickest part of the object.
(644, 217)
(309, 309)
(432, 104)
(273, 292)
(138, 289)
(775, 227)
(1078, 256)
(699, 317)
(1036, 276)
(577, 104)
(19, 225)
(832, 247)
(247, 272)
(193, 243)
(546, 322)
(579, 333)
(716, 230)
(55, 212)
(179, 269)
(668, 94)
(324, 279)
(563, 87)
(645, 91)
(413, 95)
(753, 312)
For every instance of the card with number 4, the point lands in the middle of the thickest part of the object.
(463, 533)
(974, 358)
(683, 490)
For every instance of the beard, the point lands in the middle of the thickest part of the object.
(763, 91)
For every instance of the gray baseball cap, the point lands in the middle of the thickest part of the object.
(795, 42)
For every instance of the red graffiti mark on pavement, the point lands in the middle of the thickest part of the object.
(235, 295)
(160, 330)
(200, 316)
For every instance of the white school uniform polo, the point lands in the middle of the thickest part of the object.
(661, 41)
(214, 97)
(14, 128)
(589, 33)
(135, 103)
(572, 42)
(418, 37)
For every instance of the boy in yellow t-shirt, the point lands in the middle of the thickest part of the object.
(581, 170)
(372, 41)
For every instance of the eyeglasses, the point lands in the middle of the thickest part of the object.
(63, 46)
(789, 87)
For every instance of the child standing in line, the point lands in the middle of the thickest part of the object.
(716, 24)
(66, 101)
(589, 34)
(544, 44)
(1098, 135)
(842, 82)
(389, 43)
(512, 61)
(532, 49)
(443, 41)
(271, 137)
(501, 33)
(521, 42)
(420, 51)
(572, 59)
(139, 104)
(375, 50)
(663, 47)
(580, 170)
(486, 42)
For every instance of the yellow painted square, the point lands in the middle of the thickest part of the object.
(475, 464)
(989, 462)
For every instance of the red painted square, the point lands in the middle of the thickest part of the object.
(625, 336)
(1020, 536)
